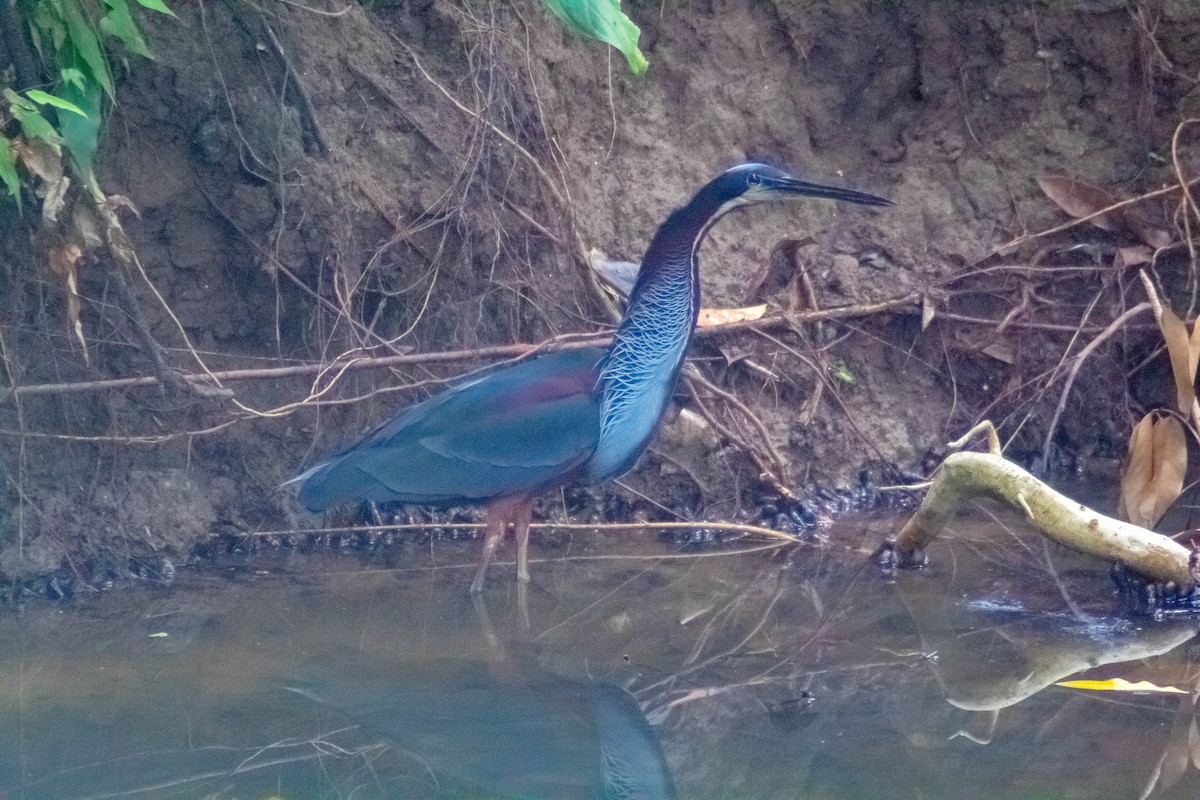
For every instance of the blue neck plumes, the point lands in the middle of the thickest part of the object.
(639, 372)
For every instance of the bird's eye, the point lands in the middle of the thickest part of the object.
(753, 179)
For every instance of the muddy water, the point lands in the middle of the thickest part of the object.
(636, 669)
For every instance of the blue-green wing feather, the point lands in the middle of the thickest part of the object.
(518, 428)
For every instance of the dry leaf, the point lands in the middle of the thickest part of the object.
(1184, 352)
(1003, 352)
(1120, 685)
(928, 311)
(1155, 237)
(116, 202)
(711, 317)
(64, 262)
(1154, 475)
(1136, 255)
(779, 270)
(44, 160)
(1079, 199)
(41, 158)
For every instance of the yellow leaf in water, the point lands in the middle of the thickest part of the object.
(1120, 685)
(710, 317)
(1154, 474)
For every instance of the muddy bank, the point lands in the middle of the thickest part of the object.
(428, 179)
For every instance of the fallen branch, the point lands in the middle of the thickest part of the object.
(731, 527)
(967, 476)
(446, 357)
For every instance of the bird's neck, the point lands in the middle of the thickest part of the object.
(647, 352)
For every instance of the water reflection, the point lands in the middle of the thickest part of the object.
(504, 729)
(785, 673)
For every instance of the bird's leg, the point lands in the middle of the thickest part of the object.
(522, 514)
(497, 524)
(515, 510)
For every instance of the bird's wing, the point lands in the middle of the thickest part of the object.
(519, 428)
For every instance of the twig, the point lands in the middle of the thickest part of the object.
(306, 103)
(772, 468)
(1087, 350)
(557, 192)
(735, 527)
(446, 357)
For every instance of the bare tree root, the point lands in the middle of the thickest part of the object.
(967, 476)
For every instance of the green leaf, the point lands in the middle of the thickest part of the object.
(17, 101)
(81, 135)
(35, 126)
(118, 24)
(156, 5)
(74, 77)
(604, 21)
(83, 40)
(38, 96)
(8, 169)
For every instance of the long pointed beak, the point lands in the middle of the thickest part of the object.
(799, 188)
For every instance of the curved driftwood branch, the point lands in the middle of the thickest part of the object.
(966, 476)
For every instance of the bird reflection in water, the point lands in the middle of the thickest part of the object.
(504, 730)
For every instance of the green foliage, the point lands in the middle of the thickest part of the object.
(604, 21)
(8, 169)
(70, 36)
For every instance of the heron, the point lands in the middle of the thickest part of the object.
(502, 437)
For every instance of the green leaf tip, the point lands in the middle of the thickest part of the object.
(43, 98)
(603, 21)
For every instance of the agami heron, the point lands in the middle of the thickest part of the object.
(503, 436)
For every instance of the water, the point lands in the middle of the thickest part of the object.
(785, 673)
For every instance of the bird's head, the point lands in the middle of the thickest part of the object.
(750, 184)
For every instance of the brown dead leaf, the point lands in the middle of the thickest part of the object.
(1184, 351)
(41, 158)
(1081, 200)
(711, 317)
(1157, 238)
(116, 202)
(779, 270)
(64, 263)
(1002, 351)
(1154, 474)
(44, 160)
(1134, 256)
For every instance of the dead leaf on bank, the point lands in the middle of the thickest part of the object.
(779, 272)
(1184, 351)
(116, 202)
(1004, 352)
(711, 317)
(44, 159)
(1081, 200)
(928, 311)
(64, 263)
(1154, 475)
(1134, 256)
